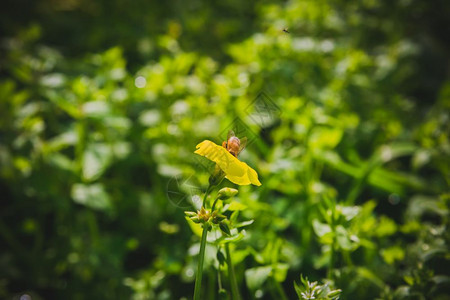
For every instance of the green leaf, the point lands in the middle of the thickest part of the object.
(321, 229)
(243, 224)
(96, 109)
(93, 196)
(234, 205)
(231, 239)
(61, 161)
(234, 216)
(280, 271)
(196, 228)
(255, 277)
(386, 227)
(224, 227)
(392, 254)
(323, 137)
(97, 157)
(221, 257)
(369, 275)
(298, 290)
(342, 238)
(62, 141)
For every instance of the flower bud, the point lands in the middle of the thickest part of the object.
(226, 193)
(190, 213)
(203, 215)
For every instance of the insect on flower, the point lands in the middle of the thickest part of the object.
(233, 144)
(286, 30)
(225, 157)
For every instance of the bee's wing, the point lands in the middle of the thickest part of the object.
(242, 144)
(230, 134)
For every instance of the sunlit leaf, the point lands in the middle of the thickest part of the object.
(255, 277)
(97, 157)
(93, 196)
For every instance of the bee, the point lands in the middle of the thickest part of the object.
(233, 144)
(286, 30)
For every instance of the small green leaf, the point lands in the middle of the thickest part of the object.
(386, 227)
(96, 159)
(224, 227)
(95, 109)
(320, 228)
(93, 196)
(236, 206)
(255, 277)
(280, 271)
(231, 239)
(233, 217)
(342, 238)
(196, 228)
(409, 280)
(243, 224)
(334, 293)
(392, 254)
(190, 213)
(221, 257)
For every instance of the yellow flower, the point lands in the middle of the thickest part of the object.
(235, 170)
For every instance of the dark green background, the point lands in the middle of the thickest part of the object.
(348, 113)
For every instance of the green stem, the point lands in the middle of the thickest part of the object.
(80, 146)
(198, 279)
(347, 257)
(281, 293)
(206, 195)
(332, 247)
(201, 259)
(233, 282)
(331, 266)
(219, 279)
(214, 205)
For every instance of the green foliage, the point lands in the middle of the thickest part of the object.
(313, 290)
(102, 104)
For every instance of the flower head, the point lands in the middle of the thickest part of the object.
(235, 170)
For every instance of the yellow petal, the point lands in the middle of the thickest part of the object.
(236, 171)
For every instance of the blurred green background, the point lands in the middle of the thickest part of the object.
(103, 102)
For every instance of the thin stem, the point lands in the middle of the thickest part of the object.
(347, 257)
(331, 266)
(332, 247)
(279, 289)
(231, 274)
(219, 278)
(272, 291)
(214, 205)
(198, 279)
(211, 285)
(206, 195)
(80, 146)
